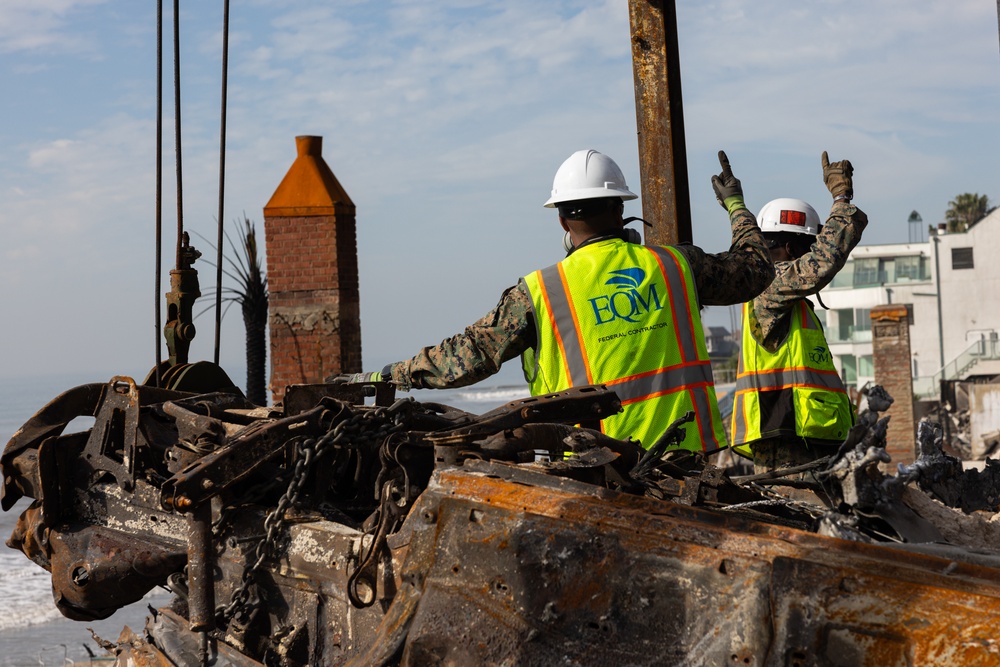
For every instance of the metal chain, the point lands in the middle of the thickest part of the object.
(366, 426)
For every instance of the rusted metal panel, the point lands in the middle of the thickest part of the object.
(660, 121)
(840, 616)
(513, 585)
(535, 575)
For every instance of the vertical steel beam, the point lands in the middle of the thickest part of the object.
(660, 121)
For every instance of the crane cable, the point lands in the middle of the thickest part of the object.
(222, 179)
(159, 187)
(159, 173)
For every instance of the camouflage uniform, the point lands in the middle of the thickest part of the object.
(770, 313)
(806, 275)
(509, 329)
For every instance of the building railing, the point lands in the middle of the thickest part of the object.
(856, 279)
(849, 334)
(849, 278)
(984, 349)
(723, 375)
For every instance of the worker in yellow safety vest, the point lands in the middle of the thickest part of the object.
(790, 405)
(613, 312)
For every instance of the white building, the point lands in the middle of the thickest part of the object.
(957, 331)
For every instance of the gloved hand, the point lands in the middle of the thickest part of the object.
(728, 190)
(354, 378)
(837, 177)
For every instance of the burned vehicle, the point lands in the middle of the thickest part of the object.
(328, 531)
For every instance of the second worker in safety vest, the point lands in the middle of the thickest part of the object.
(613, 312)
(790, 405)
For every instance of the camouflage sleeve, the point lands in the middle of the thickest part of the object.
(806, 275)
(476, 353)
(737, 275)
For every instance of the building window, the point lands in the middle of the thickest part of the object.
(862, 319)
(841, 325)
(866, 367)
(961, 258)
(848, 368)
(911, 268)
(866, 272)
(850, 325)
(872, 271)
(845, 278)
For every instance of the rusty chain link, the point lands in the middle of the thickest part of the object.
(369, 426)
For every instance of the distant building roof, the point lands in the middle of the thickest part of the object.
(717, 331)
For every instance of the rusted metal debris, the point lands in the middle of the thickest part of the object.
(406, 533)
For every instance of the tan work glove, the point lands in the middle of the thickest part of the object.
(837, 177)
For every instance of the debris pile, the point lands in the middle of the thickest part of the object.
(328, 531)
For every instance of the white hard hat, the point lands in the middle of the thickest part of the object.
(788, 215)
(588, 174)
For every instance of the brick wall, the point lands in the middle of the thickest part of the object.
(312, 274)
(891, 357)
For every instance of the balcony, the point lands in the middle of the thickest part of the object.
(853, 276)
(849, 334)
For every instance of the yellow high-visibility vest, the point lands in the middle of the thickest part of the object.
(626, 316)
(794, 392)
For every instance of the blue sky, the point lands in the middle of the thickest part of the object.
(445, 122)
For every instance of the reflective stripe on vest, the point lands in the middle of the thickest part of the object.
(802, 366)
(563, 317)
(784, 378)
(654, 373)
(807, 317)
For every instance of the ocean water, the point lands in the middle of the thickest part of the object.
(32, 631)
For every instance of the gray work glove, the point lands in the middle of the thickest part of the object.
(354, 378)
(837, 177)
(728, 190)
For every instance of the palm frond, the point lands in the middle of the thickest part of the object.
(244, 267)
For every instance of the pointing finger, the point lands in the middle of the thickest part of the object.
(826, 160)
(727, 171)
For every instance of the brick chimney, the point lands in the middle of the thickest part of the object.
(894, 371)
(312, 274)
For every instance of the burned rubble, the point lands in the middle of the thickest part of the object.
(328, 531)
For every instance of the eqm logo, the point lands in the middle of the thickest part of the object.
(820, 355)
(628, 301)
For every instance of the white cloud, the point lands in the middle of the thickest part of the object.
(33, 25)
(445, 122)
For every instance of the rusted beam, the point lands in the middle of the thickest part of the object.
(660, 121)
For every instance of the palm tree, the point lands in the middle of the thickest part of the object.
(251, 294)
(252, 297)
(966, 210)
